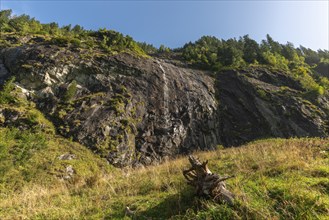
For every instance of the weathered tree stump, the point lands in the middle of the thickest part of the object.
(206, 183)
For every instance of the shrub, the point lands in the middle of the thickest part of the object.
(70, 92)
(6, 95)
(302, 74)
(275, 60)
(60, 41)
(261, 93)
(75, 42)
(320, 90)
(28, 142)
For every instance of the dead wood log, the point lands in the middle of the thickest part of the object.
(206, 183)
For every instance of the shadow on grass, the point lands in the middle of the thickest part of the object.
(186, 205)
(174, 205)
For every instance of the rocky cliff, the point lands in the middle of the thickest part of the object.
(140, 110)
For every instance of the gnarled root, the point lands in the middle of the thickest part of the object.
(206, 183)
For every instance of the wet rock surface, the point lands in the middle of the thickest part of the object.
(135, 110)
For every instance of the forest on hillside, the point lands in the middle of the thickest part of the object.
(309, 67)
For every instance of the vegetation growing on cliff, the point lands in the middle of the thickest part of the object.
(213, 53)
(77, 37)
(309, 67)
(207, 52)
(6, 95)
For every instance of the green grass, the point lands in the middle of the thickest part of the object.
(275, 179)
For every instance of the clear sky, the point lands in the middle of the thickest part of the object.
(174, 23)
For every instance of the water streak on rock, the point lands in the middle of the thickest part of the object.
(166, 111)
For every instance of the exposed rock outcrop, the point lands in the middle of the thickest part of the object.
(258, 103)
(141, 110)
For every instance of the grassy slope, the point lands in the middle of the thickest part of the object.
(276, 179)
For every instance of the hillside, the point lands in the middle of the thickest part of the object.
(45, 176)
(275, 179)
(138, 110)
(92, 122)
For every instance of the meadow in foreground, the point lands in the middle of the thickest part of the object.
(275, 179)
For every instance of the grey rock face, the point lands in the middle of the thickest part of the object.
(140, 110)
(266, 104)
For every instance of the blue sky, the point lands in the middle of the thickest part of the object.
(174, 23)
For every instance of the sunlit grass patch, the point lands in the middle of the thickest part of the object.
(275, 179)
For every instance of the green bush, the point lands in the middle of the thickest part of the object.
(27, 143)
(261, 93)
(303, 75)
(71, 91)
(75, 42)
(275, 60)
(60, 41)
(6, 95)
